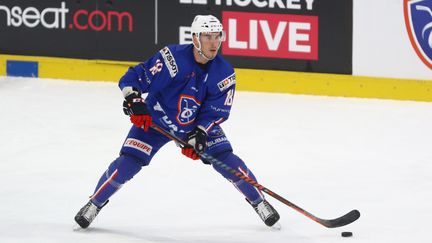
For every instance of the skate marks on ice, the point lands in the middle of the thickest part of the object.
(121, 235)
(206, 234)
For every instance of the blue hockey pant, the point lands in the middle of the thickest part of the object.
(139, 149)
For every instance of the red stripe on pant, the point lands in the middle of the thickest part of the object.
(106, 183)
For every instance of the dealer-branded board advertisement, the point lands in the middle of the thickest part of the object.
(295, 35)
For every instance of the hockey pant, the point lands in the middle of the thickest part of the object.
(140, 147)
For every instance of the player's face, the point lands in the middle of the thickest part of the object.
(210, 43)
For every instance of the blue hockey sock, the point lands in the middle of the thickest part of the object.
(119, 172)
(250, 192)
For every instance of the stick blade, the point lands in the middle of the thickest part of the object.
(341, 221)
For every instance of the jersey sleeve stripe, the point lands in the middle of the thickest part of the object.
(219, 121)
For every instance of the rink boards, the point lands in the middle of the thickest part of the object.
(247, 79)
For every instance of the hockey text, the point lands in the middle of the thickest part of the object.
(282, 4)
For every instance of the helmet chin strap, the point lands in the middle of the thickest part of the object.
(204, 56)
(201, 53)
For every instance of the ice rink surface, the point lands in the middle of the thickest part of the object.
(327, 155)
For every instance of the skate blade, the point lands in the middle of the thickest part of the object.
(276, 226)
(78, 228)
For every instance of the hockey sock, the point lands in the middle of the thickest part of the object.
(250, 192)
(119, 172)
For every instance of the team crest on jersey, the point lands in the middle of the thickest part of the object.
(418, 20)
(226, 83)
(187, 109)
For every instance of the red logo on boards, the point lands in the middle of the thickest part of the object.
(270, 35)
(58, 18)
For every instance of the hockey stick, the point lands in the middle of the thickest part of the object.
(329, 223)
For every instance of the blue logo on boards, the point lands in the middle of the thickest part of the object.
(418, 20)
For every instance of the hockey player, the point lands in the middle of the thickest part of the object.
(190, 90)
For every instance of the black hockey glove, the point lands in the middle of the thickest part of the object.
(135, 107)
(197, 140)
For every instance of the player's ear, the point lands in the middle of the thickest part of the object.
(195, 39)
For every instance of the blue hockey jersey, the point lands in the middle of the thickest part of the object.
(181, 93)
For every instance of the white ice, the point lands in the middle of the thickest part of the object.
(327, 155)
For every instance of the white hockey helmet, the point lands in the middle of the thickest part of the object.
(206, 23)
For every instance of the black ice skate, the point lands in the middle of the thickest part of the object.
(266, 212)
(87, 214)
